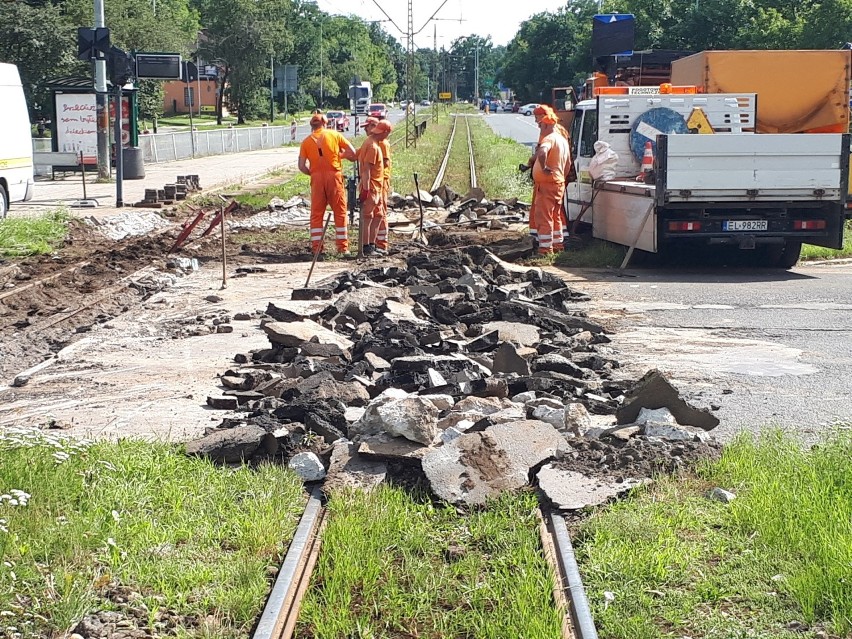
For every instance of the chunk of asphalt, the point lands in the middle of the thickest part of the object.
(480, 465)
(348, 470)
(653, 391)
(570, 490)
(232, 444)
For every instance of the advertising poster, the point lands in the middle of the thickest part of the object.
(125, 120)
(77, 125)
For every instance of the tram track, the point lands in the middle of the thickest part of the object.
(281, 612)
(442, 169)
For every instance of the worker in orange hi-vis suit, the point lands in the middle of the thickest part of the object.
(550, 168)
(371, 183)
(382, 237)
(538, 113)
(320, 157)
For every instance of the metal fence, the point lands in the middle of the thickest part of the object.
(168, 147)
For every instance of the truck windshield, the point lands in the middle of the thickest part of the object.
(589, 134)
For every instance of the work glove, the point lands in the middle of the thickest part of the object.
(523, 168)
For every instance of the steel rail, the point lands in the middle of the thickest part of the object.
(281, 612)
(443, 169)
(470, 152)
(44, 280)
(578, 604)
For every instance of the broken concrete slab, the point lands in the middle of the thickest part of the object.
(655, 391)
(348, 470)
(307, 466)
(222, 403)
(479, 465)
(232, 445)
(390, 448)
(412, 417)
(507, 360)
(294, 310)
(570, 490)
(515, 332)
(297, 333)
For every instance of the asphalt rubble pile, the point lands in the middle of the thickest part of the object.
(457, 370)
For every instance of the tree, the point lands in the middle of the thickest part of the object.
(465, 51)
(241, 36)
(42, 43)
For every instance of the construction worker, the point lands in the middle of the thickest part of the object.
(371, 180)
(382, 237)
(552, 161)
(319, 157)
(538, 113)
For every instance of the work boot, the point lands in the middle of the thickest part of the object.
(369, 249)
(380, 252)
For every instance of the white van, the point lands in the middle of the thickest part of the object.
(16, 143)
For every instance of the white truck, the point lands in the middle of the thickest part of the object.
(731, 186)
(16, 144)
(360, 97)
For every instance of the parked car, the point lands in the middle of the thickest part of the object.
(527, 109)
(337, 120)
(425, 103)
(378, 111)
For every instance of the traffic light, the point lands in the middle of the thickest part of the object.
(120, 65)
(92, 42)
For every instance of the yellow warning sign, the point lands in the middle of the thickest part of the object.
(698, 122)
(445, 96)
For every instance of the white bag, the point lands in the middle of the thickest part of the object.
(604, 162)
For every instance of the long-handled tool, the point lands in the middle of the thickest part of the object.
(421, 236)
(318, 249)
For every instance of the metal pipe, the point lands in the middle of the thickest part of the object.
(584, 625)
(272, 621)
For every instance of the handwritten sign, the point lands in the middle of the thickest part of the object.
(77, 125)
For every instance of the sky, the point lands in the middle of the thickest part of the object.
(457, 18)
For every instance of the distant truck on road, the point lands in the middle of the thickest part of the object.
(360, 98)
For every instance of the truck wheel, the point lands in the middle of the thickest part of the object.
(785, 255)
(4, 203)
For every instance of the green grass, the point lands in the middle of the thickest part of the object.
(188, 536)
(298, 184)
(595, 254)
(391, 566)
(680, 565)
(497, 160)
(40, 235)
(811, 252)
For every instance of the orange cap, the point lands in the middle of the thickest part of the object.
(542, 109)
(549, 118)
(382, 126)
(319, 117)
(371, 121)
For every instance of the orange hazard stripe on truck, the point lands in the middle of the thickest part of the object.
(16, 163)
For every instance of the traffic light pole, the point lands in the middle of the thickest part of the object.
(119, 148)
(101, 100)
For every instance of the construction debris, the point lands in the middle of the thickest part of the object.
(470, 373)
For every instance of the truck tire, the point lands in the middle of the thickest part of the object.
(785, 255)
(4, 202)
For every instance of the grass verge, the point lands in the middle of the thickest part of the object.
(773, 563)
(497, 160)
(811, 252)
(20, 237)
(393, 567)
(190, 538)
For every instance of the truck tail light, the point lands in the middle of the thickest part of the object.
(808, 225)
(684, 226)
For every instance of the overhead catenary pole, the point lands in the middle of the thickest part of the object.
(271, 91)
(101, 100)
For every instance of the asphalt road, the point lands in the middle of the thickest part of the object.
(763, 347)
(515, 126)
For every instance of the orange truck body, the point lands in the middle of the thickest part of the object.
(797, 91)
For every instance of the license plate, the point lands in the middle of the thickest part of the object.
(745, 225)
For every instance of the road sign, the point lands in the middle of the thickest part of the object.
(445, 96)
(612, 34)
(120, 65)
(189, 73)
(92, 42)
(158, 66)
(286, 78)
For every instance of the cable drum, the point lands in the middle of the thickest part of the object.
(652, 123)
